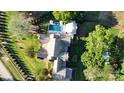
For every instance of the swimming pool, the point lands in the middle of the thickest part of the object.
(55, 27)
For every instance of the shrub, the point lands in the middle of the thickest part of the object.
(45, 72)
(31, 52)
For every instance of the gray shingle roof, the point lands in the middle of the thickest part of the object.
(64, 74)
(42, 53)
(44, 38)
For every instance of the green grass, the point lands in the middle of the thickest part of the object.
(22, 41)
(33, 64)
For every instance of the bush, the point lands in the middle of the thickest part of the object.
(45, 72)
(31, 52)
(122, 68)
(121, 78)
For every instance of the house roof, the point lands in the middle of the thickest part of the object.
(44, 38)
(50, 46)
(42, 53)
(64, 74)
(55, 46)
(66, 40)
(59, 64)
(70, 27)
(59, 47)
(64, 56)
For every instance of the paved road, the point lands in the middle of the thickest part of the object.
(4, 73)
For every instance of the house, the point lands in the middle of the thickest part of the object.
(55, 48)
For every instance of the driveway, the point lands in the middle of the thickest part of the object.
(4, 73)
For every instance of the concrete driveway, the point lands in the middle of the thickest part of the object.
(4, 73)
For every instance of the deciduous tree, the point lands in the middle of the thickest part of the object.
(98, 42)
(66, 16)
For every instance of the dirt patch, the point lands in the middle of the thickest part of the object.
(111, 77)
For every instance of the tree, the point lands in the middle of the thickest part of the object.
(93, 73)
(45, 72)
(66, 16)
(97, 43)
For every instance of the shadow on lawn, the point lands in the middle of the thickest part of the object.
(107, 19)
(75, 52)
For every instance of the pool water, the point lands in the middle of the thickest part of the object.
(55, 27)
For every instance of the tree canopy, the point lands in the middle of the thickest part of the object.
(66, 16)
(98, 42)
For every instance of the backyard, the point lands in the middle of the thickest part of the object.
(24, 44)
